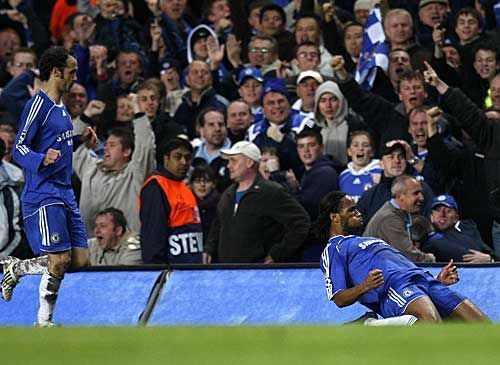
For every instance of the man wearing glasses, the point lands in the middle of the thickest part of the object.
(262, 54)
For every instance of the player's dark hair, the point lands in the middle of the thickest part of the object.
(53, 57)
(331, 203)
(175, 143)
(126, 137)
(119, 219)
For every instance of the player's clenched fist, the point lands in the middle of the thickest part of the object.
(374, 279)
(51, 156)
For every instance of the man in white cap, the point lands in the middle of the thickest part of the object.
(432, 13)
(257, 220)
(307, 83)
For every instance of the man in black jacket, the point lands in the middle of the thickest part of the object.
(387, 120)
(257, 220)
(484, 131)
(454, 238)
(201, 95)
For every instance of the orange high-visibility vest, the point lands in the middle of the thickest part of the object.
(185, 240)
(183, 207)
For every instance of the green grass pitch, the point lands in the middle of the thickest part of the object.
(452, 344)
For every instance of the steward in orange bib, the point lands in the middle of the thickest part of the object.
(171, 229)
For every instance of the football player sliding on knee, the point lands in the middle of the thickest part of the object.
(370, 271)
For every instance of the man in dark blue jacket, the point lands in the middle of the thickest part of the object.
(320, 176)
(455, 239)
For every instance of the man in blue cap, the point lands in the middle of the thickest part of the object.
(280, 124)
(455, 239)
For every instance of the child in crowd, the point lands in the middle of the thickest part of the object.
(202, 183)
(269, 168)
(363, 171)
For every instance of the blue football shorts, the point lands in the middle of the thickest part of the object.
(398, 297)
(55, 228)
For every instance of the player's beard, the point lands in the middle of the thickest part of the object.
(69, 86)
(351, 229)
(357, 231)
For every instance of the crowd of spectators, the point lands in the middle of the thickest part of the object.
(222, 124)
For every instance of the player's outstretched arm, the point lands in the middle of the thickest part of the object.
(344, 298)
(449, 274)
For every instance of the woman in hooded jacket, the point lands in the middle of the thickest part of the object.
(332, 114)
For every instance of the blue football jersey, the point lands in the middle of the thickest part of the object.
(347, 260)
(43, 125)
(355, 183)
